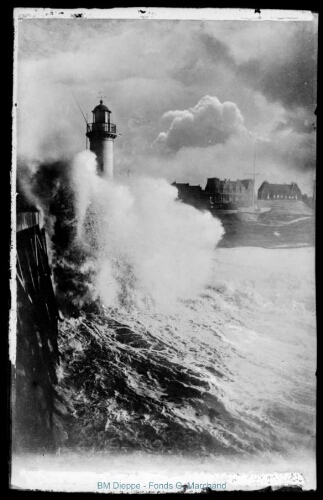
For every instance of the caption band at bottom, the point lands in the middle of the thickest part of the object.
(151, 486)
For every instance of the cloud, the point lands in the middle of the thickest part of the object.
(208, 123)
(257, 71)
(278, 59)
(129, 64)
(298, 120)
(291, 82)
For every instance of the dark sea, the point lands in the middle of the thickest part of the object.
(153, 378)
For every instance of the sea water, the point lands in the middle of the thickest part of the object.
(211, 373)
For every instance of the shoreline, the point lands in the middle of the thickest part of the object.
(278, 247)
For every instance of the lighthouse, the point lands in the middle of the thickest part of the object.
(102, 134)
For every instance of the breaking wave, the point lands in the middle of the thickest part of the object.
(169, 344)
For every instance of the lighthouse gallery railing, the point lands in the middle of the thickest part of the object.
(109, 128)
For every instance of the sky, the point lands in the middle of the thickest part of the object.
(191, 99)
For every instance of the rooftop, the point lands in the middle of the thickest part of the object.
(101, 107)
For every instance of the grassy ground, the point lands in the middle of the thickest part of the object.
(286, 224)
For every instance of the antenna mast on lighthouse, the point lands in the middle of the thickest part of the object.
(82, 115)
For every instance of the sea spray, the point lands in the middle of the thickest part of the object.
(209, 375)
(140, 234)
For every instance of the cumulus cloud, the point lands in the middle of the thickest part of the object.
(208, 123)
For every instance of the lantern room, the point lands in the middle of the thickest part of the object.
(101, 113)
(101, 126)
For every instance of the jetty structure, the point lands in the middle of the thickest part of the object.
(102, 133)
(33, 375)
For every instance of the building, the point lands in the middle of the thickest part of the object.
(192, 195)
(269, 191)
(239, 192)
(218, 194)
(102, 134)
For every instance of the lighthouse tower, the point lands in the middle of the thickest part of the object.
(102, 134)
